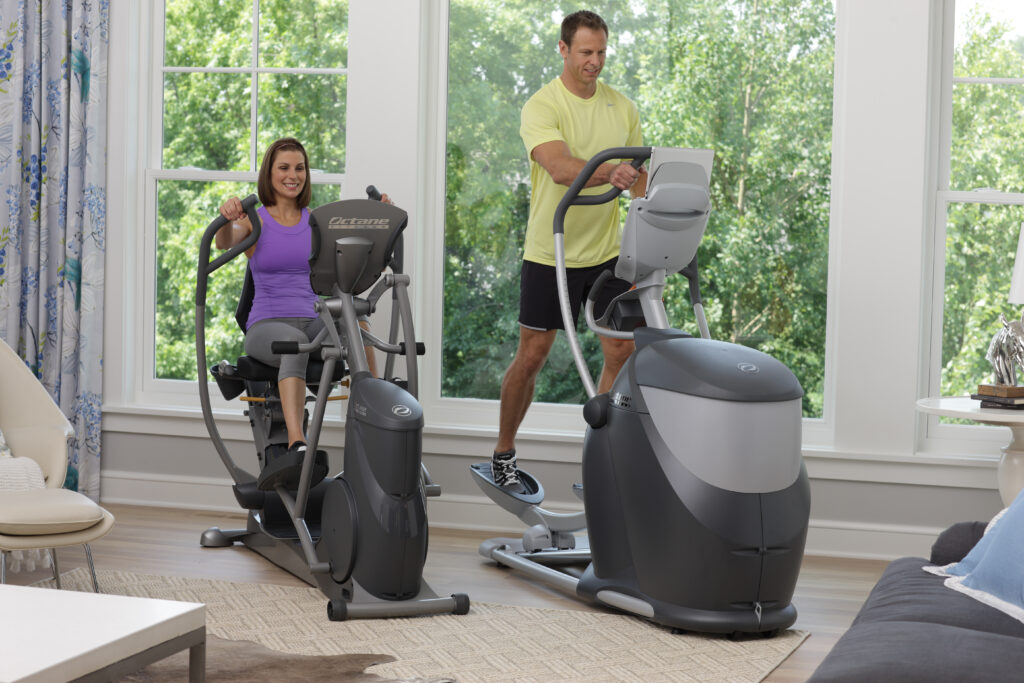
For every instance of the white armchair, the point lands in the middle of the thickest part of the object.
(51, 517)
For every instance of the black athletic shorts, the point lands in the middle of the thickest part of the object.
(538, 293)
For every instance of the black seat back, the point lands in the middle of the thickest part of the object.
(245, 299)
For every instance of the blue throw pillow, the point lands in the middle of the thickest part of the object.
(993, 572)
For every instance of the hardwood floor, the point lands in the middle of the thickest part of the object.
(163, 541)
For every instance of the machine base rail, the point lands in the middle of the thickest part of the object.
(346, 600)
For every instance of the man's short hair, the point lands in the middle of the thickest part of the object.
(584, 18)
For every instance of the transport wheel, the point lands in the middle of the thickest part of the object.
(461, 603)
(337, 610)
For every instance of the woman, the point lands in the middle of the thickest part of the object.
(283, 305)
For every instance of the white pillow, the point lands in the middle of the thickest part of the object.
(17, 474)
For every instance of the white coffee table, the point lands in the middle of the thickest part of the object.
(62, 635)
(1010, 474)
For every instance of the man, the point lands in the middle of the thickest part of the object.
(563, 125)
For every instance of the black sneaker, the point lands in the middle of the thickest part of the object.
(505, 472)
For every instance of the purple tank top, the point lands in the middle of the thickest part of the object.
(280, 270)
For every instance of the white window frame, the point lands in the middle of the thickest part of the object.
(550, 431)
(134, 400)
(976, 441)
(173, 391)
(880, 322)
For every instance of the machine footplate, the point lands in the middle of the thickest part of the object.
(285, 467)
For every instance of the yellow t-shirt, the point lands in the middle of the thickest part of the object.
(608, 119)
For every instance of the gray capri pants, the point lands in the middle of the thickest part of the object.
(259, 337)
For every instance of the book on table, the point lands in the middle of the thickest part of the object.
(1001, 390)
(999, 401)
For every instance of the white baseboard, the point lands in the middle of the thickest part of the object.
(167, 491)
(478, 513)
(869, 541)
(450, 511)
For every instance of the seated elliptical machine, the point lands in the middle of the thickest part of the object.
(695, 495)
(360, 536)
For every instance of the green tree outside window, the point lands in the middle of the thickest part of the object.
(751, 80)
(212, 124)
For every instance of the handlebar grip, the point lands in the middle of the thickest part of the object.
(598, 285)
(284, 347)
(373, 193)
(249, 202)
(572, 196)
(692, 275)
(421, 348)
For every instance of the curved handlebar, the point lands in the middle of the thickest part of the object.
(205, 268)
(572, 196)
(373, 193)
(205, 265)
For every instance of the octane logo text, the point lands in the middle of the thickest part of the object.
(373, 223)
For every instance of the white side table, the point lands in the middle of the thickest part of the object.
(51, 636)
(1010, 474)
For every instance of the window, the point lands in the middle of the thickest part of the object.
(981, 206)
(753, 81)
(235, 75)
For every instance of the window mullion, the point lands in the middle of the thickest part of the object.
(987, 80)
(316, 178)
(985, 196)
(254, 88)
(313, 70)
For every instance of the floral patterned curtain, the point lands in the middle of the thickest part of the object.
(53, 71)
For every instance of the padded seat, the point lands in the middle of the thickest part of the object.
(47, 511)
(253, 370)
(231, 379)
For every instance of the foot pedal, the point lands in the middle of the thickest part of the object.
(533, 493)
(285, 467)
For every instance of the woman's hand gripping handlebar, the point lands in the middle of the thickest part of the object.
(206, 266)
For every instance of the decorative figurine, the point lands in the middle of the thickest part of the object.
(1006, 351)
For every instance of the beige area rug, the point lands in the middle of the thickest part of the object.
(491, 643)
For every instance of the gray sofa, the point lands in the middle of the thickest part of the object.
(913, 628)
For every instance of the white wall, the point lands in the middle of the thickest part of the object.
(879, 487)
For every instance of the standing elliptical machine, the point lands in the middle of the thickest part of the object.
(695, 495)
(359, 536)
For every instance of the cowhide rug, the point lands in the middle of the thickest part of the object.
(239, 661)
